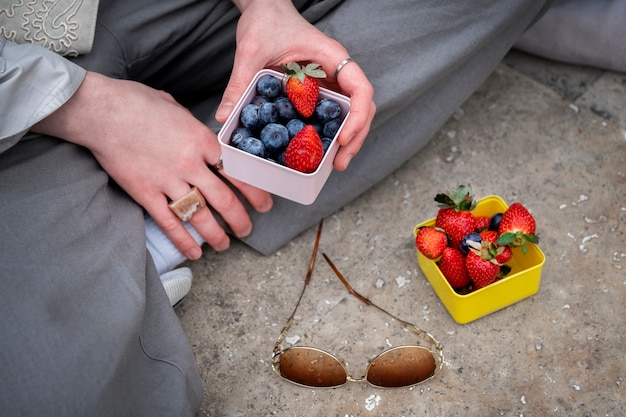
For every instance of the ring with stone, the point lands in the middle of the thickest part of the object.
(186, 206)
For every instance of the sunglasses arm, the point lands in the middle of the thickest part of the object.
(410, 326)
(307, 279)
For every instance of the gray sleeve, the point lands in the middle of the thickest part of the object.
(34, 82)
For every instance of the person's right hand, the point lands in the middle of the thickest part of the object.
(260, 45)
(156, 151)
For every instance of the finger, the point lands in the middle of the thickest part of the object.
(260, 200)
(353, 82)
(171, 225)
(346, 153)
(223, 200)
(207, 226)
(243, 71)
(203, 221)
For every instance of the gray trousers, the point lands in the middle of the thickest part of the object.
(86, 328)
(582, 32)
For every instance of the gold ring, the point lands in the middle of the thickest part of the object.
(186, 206)
(341, 65)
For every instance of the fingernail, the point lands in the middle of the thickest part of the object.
(223, 245)
(348, 159)
(267, 206)
(245, 232)
(194, 253)
(224, 110)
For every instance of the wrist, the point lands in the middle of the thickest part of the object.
(68, 122)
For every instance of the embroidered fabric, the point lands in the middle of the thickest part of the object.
(63, 26)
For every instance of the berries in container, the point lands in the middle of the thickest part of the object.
(522, 279)
(254, 138)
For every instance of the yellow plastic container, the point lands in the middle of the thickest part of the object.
(522, 282)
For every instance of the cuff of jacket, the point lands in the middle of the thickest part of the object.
(34, 82)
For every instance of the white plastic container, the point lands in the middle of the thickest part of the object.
(270, 176)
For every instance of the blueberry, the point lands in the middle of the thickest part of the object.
(239, 134)
(494, 222)
(286, 110)
(280, 158)
(275, 137)
(326, 143)
(259, 100)
(294, 126)
(327, 109)
(332, 127)
(268, 113)
(268, 86)
(319, 127)
(253, 146)
(250, 116)
(474, 237)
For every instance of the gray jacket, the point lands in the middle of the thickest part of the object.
(34, 82)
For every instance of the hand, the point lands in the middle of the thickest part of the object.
(155, 150)
(261, 45)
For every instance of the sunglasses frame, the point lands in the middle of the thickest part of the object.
(422, 334)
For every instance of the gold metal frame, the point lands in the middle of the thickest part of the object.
(425, 336)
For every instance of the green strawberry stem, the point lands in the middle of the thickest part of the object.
(461, 199)
(313, 70)
(517, 239)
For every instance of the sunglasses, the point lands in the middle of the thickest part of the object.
(398, 367)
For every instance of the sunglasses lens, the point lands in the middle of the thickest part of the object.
(311, 367)
(401, 367)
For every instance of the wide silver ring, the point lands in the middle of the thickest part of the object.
(341, 65)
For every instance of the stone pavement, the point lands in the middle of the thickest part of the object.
(549, 135)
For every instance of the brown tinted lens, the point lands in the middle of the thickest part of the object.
(311, 367)
(401, 366)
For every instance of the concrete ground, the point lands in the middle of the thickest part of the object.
(549, 135)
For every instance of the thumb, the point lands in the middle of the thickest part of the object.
(240, 77)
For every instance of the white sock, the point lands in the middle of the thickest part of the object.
(165, 255)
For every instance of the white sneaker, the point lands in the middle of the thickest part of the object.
(177, 284)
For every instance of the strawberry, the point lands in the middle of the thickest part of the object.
(501, 254)
(517, 227)
(302, 87)
(452, 266)
(305, 150)
(489, 236)
(505, 255)
(481, 270)
(482, 223)
(454, 215)
(431, 242)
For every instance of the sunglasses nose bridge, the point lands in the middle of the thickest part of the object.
(361, 379)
